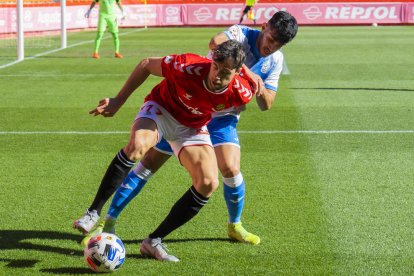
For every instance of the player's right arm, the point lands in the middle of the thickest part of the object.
(109, 106)
(237, 33)
(217, 40)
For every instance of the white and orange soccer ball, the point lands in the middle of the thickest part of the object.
(104, 252)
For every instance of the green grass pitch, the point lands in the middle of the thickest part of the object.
(329, 169)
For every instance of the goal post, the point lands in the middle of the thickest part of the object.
(31, 27)
(20, 31)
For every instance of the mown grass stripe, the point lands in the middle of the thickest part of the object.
(240, 132)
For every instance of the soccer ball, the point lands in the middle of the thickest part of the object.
(105, 252)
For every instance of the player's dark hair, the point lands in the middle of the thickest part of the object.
(230, 49)
(285, 25)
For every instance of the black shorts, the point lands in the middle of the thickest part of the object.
(247, 9)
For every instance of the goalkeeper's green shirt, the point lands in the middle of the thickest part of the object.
(107, 7)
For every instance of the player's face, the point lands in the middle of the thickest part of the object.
(266, 43)
(220, 75)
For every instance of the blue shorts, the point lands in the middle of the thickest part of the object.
(222, 131)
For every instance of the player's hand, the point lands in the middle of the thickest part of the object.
(107, 107)
(260, 87)
(87, 14)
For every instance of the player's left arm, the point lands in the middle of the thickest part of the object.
(264, 96)
(267, 96)
(259, 85)
(265, 99)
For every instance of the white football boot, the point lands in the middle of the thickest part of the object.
(156, 249)
(86, 222)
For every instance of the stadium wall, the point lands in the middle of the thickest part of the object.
(48, 18)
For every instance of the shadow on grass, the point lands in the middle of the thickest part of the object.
(17, 239)
(19, 263)
(183, 240)
(68, 270)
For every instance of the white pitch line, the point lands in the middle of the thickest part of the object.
(241, 132)
(324, 131)
(61, 75)
(60, 49)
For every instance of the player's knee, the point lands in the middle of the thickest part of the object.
(99, 35)
(206, 186)
(230, 171)
(135, 150)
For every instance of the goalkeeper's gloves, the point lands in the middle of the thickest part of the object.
(123, 15)
(88, 13)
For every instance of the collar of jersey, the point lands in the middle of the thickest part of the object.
(215, 92)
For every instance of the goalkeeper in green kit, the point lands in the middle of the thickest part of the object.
(107, 17)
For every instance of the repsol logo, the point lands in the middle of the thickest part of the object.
(361, 13)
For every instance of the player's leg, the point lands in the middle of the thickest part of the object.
(251, 16)
(245, 11)
(144, 135)
(228, 160)
(201, 164)
(225, 139)
(113, 29)
(134, 182)
(99, 35)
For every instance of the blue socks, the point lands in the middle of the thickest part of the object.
(234, 190)
(130, 188)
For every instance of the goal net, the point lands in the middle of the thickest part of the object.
(29, 28)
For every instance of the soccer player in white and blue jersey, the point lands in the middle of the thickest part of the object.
(265, 61)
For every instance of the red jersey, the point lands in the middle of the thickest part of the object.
(185, 96)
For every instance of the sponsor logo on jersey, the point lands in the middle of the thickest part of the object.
(265, 66)
(219, 107)
(168, 59)
(193, 110)
(234, 31)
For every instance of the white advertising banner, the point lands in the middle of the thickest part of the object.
(48, 18)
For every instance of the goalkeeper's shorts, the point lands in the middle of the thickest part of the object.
(107, 20)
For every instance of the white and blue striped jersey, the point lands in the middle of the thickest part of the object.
(268, 68)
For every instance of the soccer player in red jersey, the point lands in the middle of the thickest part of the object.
(266, 68)
(178, 109)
